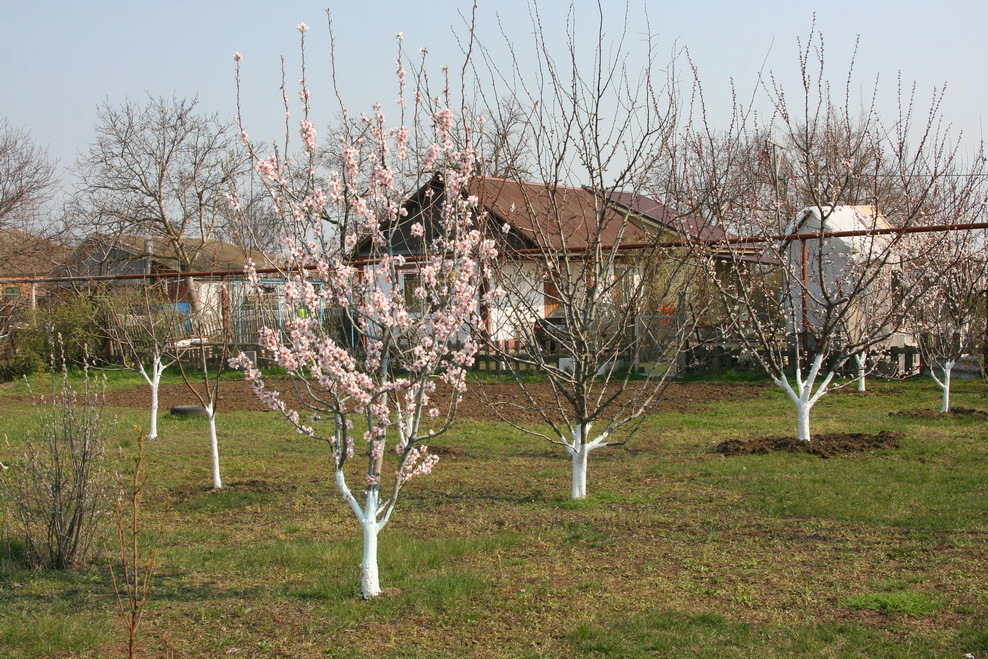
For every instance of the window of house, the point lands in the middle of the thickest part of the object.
(411, 281)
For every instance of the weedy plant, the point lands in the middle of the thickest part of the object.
(133, 584)
(57, 490)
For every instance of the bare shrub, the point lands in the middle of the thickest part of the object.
(57, 490)
(132, 585)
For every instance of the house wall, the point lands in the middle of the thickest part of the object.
(827, 270)
(523, 304)
(208, 307)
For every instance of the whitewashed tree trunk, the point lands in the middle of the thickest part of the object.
(579, 486)
(803, 395)
(214, 447)
(579, 450)
(153, 423)
(154, 382)
(370, 580)
(860, 360)
(944, 383)
(803, 420)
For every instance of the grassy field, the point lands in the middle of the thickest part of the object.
(677, 552)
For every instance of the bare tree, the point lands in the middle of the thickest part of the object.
(252, 223)
(805, 304)
(142, 328)
(581, 270)
(27, 178)
(28, 186)
(201, 356)
(502, 137)
(949, 316)
(161, 168)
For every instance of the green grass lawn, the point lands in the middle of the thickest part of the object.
(677, 552)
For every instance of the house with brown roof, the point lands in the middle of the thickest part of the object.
(110, 255)
(539, 226)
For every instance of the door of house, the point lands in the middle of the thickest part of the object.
(550, 297)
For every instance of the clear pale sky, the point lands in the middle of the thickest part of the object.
(60, 60)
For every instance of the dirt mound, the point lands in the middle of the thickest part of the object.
(825, 446)
(955, 412)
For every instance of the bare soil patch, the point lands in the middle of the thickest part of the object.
(236, 395)
(955, 412)
(825, 446)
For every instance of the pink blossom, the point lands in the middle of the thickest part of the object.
(404, 346)
(431, 155)
(308, 132)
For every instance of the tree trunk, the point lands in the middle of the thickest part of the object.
(861, 358)
(579, 489)
(803, 396)
(153, 425)
(214, 447)
(948, 367)
(154, 383)
(370, 581)
(803, 421)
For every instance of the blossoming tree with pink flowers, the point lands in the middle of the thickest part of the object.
(383, 279)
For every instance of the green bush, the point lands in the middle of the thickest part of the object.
(71, 316)
(18, 362)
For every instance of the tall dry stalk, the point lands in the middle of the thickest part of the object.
(137, 563)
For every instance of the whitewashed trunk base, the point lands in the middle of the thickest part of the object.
(370, 580)
(214, 448)
(579, 487)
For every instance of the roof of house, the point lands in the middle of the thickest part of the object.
(554, 217)
(205, 255)
(686, 226)
(25, 255)
(845, 218)
(557, 216)
(838, 218)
